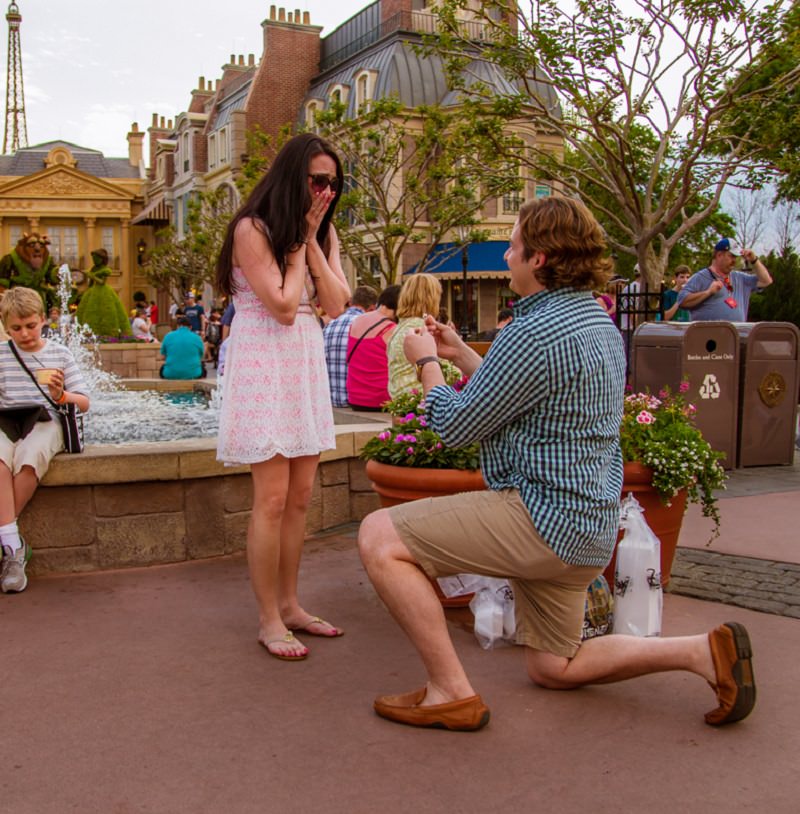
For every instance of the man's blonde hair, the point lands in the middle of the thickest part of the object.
(419, 295)
(20, 302)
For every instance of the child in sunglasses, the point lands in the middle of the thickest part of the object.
(280, 258)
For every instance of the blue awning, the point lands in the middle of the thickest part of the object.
(483, 260)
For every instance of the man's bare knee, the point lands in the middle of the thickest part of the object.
(378, 539)
(372, 534)
(547, 670)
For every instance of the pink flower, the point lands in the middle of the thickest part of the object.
(645, 418)
(662, 394)
(384, 435)
(410, 417)
(683, 387)
(410, 451)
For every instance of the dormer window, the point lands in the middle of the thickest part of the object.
(312, 109)
(222, 146)
(339, 94)
(365, 88)
(186, 154)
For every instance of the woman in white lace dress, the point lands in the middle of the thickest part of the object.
(280, 255)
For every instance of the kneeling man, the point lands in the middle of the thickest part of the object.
(546, 404)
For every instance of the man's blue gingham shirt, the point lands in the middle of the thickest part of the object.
(546, 405)
(335, 338)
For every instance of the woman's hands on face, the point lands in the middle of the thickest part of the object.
(320, 201)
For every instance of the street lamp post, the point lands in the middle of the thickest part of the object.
(463, 234)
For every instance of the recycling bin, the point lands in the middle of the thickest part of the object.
(706, 356)
(769, 379)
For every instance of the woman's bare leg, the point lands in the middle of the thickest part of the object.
(270, 489)
(293, 531)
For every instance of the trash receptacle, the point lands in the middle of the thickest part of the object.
(769, 381)
(704, 354)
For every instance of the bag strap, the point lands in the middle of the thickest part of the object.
(358, 341)
(33, 378)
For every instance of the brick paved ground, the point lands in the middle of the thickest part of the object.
(762, 585)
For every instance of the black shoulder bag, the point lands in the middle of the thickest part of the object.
(69, 417)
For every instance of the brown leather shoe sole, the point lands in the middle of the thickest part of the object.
(736, 686)
(464, 715)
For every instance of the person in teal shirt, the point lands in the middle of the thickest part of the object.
(671, 310)
(183, 351)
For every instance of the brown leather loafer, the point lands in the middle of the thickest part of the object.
(466, 714)
(736, 687)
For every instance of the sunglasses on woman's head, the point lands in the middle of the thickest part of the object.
(320, 182)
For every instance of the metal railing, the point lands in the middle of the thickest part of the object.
(418, 22)
(634, 308)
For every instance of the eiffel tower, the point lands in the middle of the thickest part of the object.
(16, 133)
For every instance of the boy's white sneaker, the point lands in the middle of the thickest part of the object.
(12, 575)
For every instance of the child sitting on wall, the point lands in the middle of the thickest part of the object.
(30, 433)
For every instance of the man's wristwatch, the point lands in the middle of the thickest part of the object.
(420, 363)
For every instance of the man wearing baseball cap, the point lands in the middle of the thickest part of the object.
(719, 292)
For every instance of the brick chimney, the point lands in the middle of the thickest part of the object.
(200, 95)
(159, 129)
(288, 64)
(135, 146)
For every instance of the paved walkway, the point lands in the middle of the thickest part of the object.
(144, 691)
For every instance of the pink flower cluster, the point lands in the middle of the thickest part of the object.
(645, 418)
(645, 400)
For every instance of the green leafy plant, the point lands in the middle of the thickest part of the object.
(411, 442)
(659, 432)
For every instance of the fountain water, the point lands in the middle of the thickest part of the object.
(118, 415)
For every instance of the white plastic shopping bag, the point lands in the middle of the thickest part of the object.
(492, 606)
(493, 609)
(638, 597)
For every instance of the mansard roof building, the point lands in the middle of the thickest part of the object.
(370, 56)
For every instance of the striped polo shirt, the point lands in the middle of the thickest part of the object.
(546, 405)
(17, 388)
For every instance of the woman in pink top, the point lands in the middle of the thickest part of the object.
(367, 364)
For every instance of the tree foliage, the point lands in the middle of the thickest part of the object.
(671, 68)
(781, 300)
(774, 123)
(178, 264)
(414, 176)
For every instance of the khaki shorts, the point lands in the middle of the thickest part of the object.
(36, 449)
(491, 533)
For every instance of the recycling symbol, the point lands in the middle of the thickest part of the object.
(710, 388)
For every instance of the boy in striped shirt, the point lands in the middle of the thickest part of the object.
(28, 441)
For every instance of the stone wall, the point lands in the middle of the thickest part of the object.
(131, 360)
(142, 504)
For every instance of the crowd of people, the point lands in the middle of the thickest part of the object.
(545, 402)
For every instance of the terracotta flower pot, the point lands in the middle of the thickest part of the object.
(400, 484)
(665, 521)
